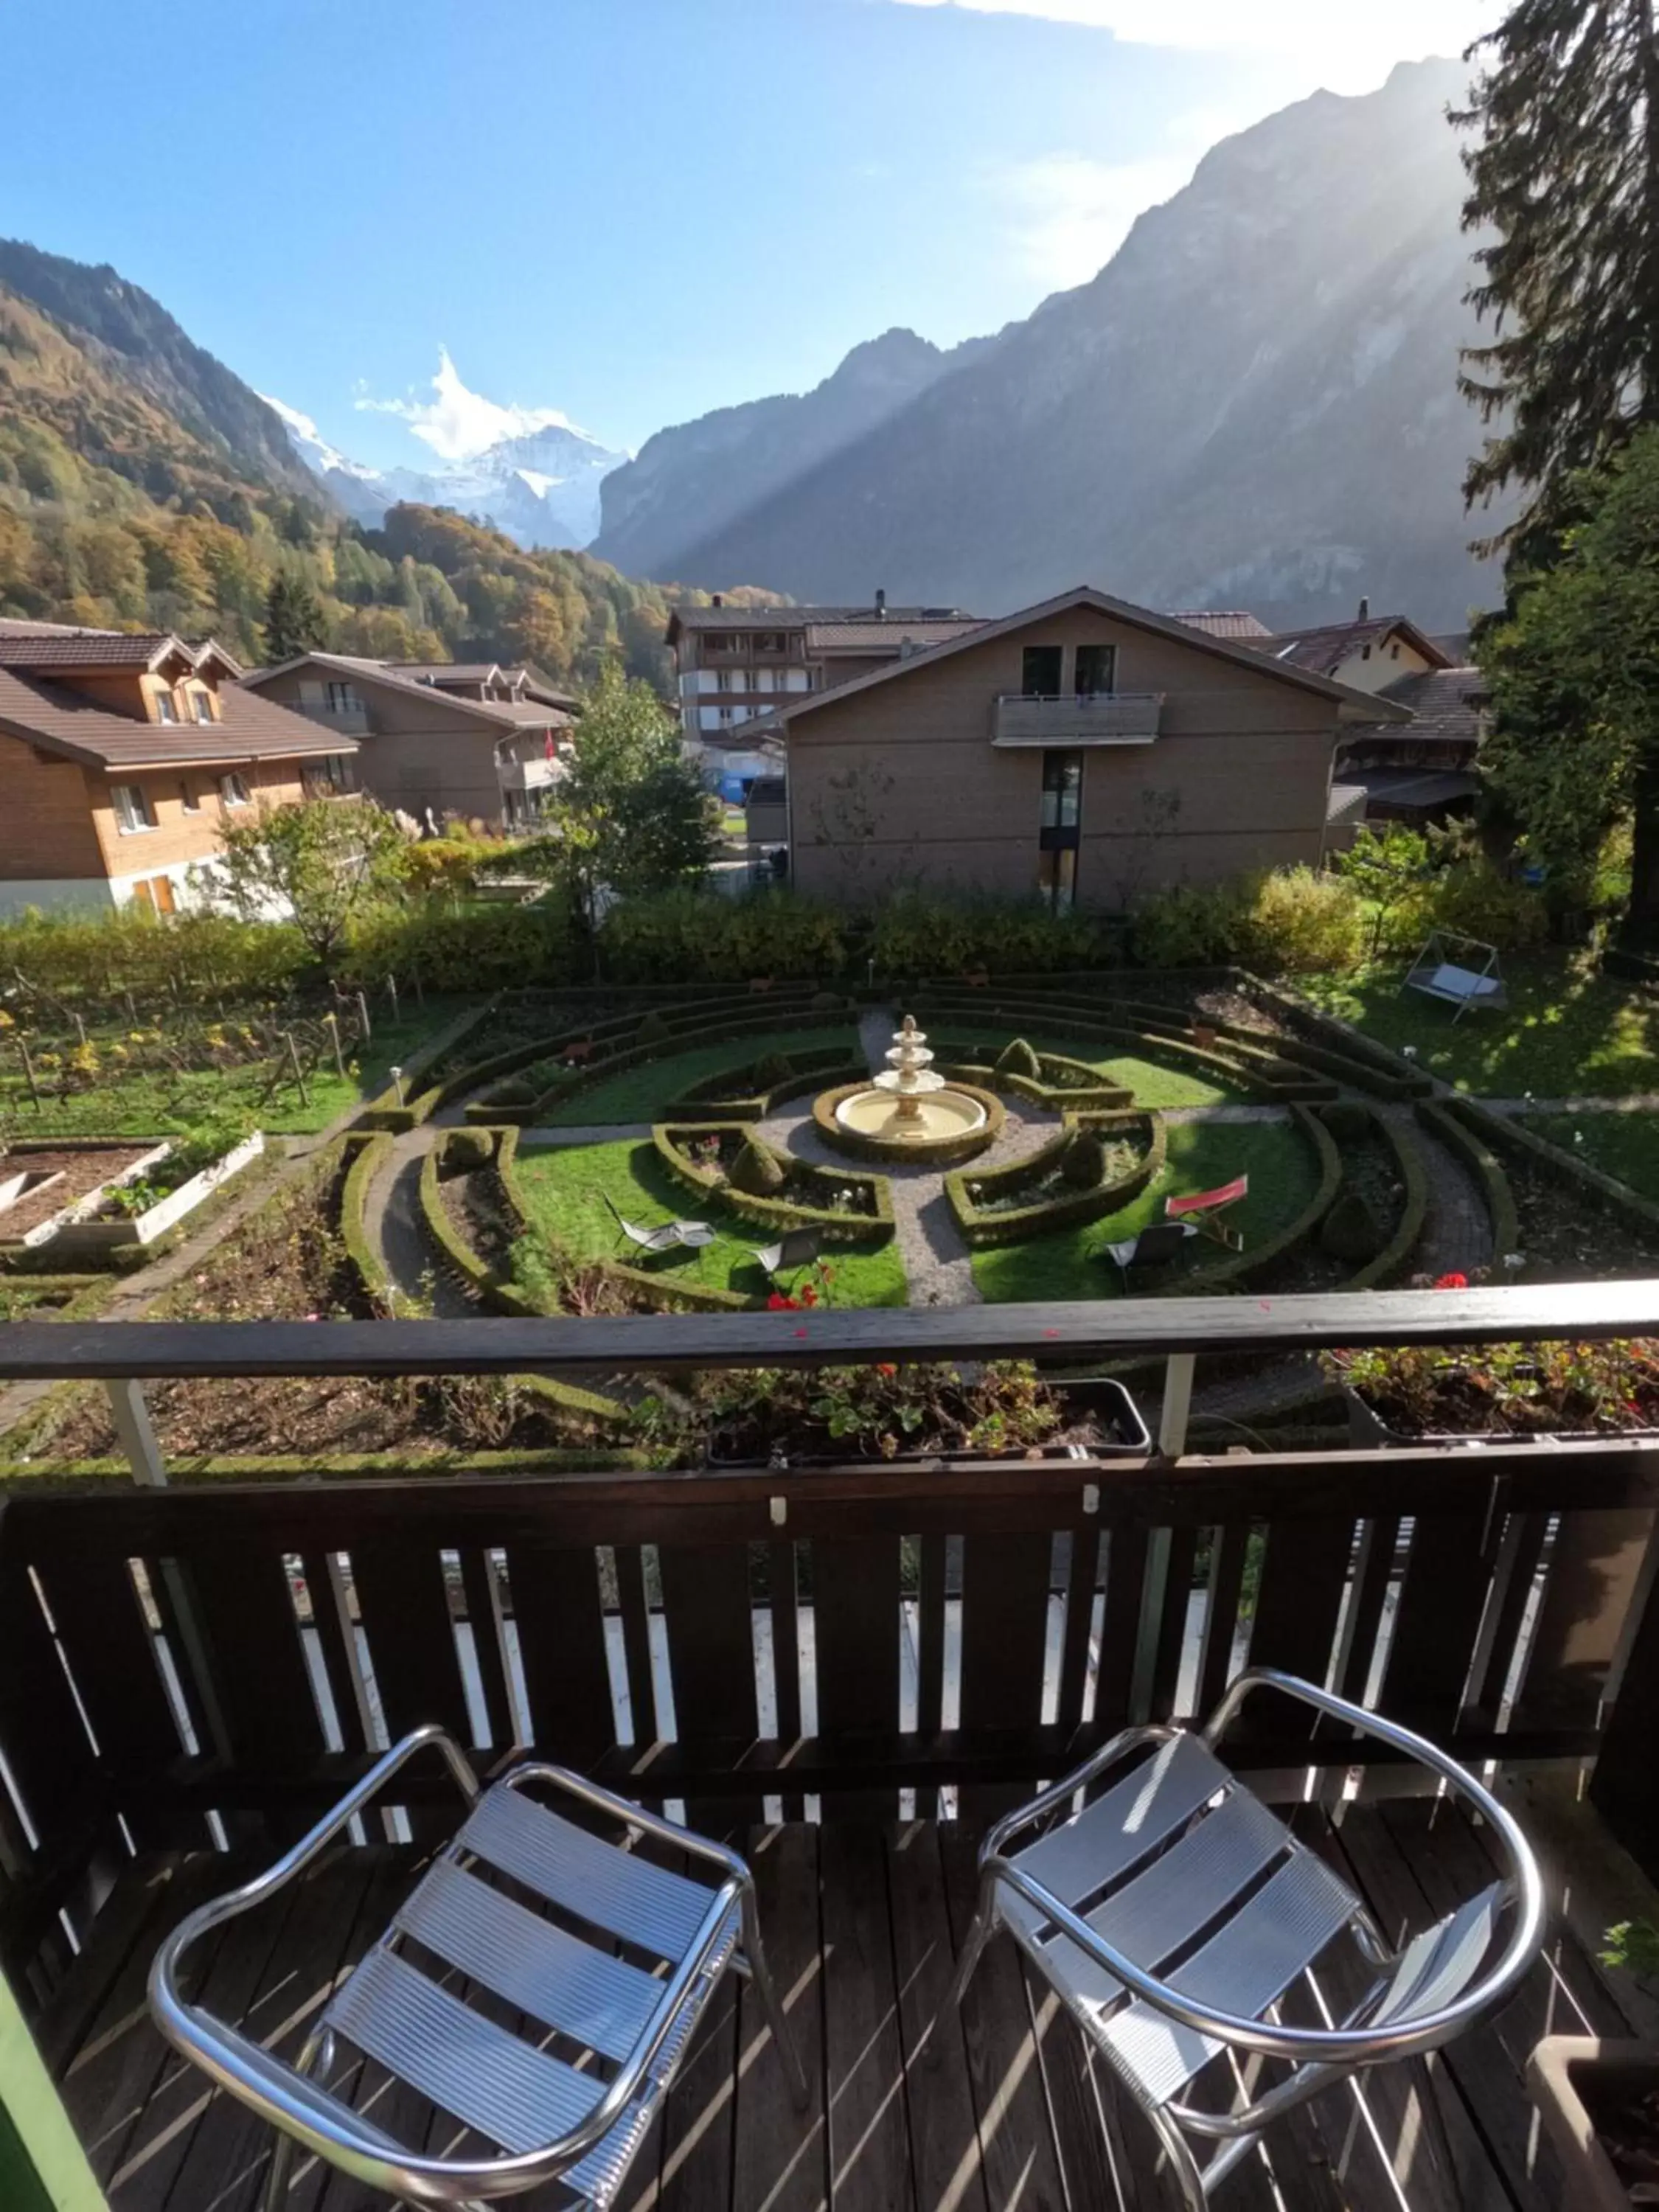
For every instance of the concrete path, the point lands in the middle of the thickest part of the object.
(1457, 1232)
(397, 1238)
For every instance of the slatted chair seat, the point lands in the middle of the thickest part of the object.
(603, 1959)
(1173, 1912)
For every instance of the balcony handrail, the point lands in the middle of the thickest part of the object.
(1061, 1334)
(1074, 698)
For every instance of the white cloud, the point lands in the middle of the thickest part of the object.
(1349, 47)
(457, 422)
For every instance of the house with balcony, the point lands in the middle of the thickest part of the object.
(736, 666)
(479, 740)
(122, 753)
(1084, 750)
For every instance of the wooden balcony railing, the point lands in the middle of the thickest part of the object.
(766, 1643)
(1104, 718)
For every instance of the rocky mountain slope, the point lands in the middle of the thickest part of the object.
(704, 476)
(1253, 404)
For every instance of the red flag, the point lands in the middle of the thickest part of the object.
(552, 749)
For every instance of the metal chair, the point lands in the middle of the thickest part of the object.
(619, 2030)
(1158, 1243)
(669, 1238)
(1172, 1913)
(795, 1249)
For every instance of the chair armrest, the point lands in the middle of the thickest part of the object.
(1339, 2047)
(1057, 1794)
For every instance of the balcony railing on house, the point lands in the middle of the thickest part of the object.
(904, 1640)
(1105, 718)
(347, 721)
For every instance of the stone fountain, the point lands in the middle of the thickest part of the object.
(910, 1103)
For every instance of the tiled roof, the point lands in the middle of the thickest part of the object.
(449, 672)
(1446, 703)
(505, 714)
(1324, 650)
(1222, 622)
(60, 720)
(89, 648)
(19, 626)
(1415, 788)
(883, 636)
(803, 617)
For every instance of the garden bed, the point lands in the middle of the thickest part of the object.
(840, 1201)
(1034, 1196)
(142, 1207)
(750, 1094)
(60, 1182)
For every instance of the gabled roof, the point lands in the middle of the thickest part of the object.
(1222, 621)
(502, 713)
(1326, 649)
(56, 720)
(683, 618)
(1356, 704)
(890, 636)
(1446, 703)
(65, 652)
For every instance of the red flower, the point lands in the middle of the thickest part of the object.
(1451, 1282)
(885, 1367)
(809, 1296)
(778, 1303)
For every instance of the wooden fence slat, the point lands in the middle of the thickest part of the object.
(1005, 1630)
(632, 1600)
(1126, 1577)
(1172, 1625)
(1297, 1607)
(1229, 1546)
(1083, 1574)
(1373, 1571)
(111, 1655)
(786, 1640)
(403, 1598)
(930, 1635)
(560, 1627)
(257, 1677)
(711, 1641)
(482, 1589)
(855, 1627)
(1594, 1571)
(45, 1744)
(1448, 1576)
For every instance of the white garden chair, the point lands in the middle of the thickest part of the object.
(416, 2003)
(1172, 1913)
(669, 1236)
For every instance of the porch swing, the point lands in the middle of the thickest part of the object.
(1461, 970)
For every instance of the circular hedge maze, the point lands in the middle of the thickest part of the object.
(709, 1110)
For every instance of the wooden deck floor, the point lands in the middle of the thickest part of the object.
(862, 1921)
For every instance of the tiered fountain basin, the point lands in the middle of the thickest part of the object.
(909, 1113)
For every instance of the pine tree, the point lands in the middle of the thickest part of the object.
(295, 621)
(1566, 174)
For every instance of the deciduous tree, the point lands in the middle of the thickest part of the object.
(324, 861)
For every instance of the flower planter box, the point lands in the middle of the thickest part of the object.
(74, 1233)
(1123, 1435)
(52, 1229)
(1578, 2083)
(1368, 1431)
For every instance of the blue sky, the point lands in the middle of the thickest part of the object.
(630, 210)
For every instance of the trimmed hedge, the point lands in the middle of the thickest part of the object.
(786, 1210)
(734, 1096)
(1089, 1095)
(1483, 1166)
(1233, 1274)
(983, 1226)
(1245, 1073)
(686, 1038)
(384, 1112)
(1504, 1134)
(934, 1152)
(1404, 1080)
(370, 1156)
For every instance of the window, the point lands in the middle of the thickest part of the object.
(189, 798)
(770, 640)
(342, 699)
(201, 705)
(1097, 671)
(165, 710)
(1060, 829)
(132, 810)
(233, 790)
(154, 892)
(1057, 879)
(728, 641)
(1062, 791)
(333, 773)
(1040, 667)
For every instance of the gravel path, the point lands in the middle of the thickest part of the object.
(393, 1225)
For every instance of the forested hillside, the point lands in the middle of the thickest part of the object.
(143, 485)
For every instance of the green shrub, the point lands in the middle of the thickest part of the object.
(920, 932)
(1296, 922)
(654, 1030)
(757, 1172)
(1478, 901)
(1348, 1123)
(479, 948)
(1351, 1231)
(513, 1091)
(772, 1069)
(1083, 1163)
(1187, 926)
(693, 934)
(195, 955)
(1018, 1058)
(827, 1002)
(468, 1149)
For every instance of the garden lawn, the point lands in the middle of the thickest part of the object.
(1284, 1176)
(1566, 1031)
(155, 1102)
(1154, 1083)
(1622, 1144)
(643, 1092)
(565, 1188)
